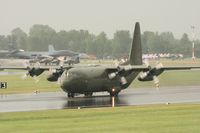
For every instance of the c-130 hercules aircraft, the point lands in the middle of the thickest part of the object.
(113, 79)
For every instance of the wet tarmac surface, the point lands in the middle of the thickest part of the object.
(59, 100)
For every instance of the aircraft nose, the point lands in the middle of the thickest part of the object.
(65, 80)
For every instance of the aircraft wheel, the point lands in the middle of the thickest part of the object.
(89, 94)
(70, 95)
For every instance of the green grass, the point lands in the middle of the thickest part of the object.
(139, 119)
(16, 85)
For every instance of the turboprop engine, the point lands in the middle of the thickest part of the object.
(35, 72)
(152, 74)
(119, 73)
(55, 74)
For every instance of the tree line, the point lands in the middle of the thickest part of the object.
(40, 36)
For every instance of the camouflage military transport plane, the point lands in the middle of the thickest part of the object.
(113, 79)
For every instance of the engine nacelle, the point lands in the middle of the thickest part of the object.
(145, 76)
(149, 75)
(112, 75)
(35, 71)
(55, 75)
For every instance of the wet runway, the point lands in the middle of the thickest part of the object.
(59, 100)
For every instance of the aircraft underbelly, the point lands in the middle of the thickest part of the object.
(98, 84)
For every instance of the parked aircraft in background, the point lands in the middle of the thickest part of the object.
(46, 57)
(4, 53)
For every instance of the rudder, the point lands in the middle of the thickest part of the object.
(135, 57)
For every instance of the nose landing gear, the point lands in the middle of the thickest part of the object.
(114, 93)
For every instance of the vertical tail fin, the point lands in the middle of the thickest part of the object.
(51, 48)
(135, 57)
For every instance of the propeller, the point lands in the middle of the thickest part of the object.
(156, 81)
(123, 80)
(51, 70)
(146, 63)
(59, 81)
(36, 79)
(31, 71)
(116, 63)
(24, 76)
(26, 65)
(152, 73)
(118, 73)
(155, 78)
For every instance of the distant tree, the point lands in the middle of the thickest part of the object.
(62, 40)
(3, 42)
(102, 46)
(40, 36)
(19, 38)
(12, 42)
(148, 42)
(165, 43)
(121, 43)
(197, 48)
(185, 46)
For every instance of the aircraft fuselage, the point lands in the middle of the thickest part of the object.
(94, 79)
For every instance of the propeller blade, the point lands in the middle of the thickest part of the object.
(37, 65)
(116, 63)
(158, 66)
(24, 76)
(146, 63)
(123, 80)
(59, 81)
(51, 70)
(156, 81)
(36, 79)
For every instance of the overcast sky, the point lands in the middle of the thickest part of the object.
(101, 15)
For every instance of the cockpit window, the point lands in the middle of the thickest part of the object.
(68, 74)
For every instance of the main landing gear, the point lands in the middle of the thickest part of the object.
(88, 94)
(70, 95)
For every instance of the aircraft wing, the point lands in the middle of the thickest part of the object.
(30, 67)
(164, 68)
(181, 68)
(15, 68)
(148, 70)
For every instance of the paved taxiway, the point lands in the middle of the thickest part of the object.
(59, 100)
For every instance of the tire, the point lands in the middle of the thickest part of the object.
(89, 94)
(70, 95)
(114, 94)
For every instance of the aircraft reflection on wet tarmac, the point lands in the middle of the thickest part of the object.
(59, 100)
(96, 101)
(54, 100)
